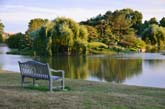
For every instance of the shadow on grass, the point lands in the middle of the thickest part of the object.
(10, 87)
(44, 88)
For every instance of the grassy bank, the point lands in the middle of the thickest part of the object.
(80, 95)
(20, 52)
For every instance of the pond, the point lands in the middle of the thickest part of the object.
(142, 69)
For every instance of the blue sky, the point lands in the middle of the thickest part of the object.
(15, 14)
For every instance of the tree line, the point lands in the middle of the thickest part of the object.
(1, 31)
(118, 30)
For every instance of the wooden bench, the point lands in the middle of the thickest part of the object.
(37, 70)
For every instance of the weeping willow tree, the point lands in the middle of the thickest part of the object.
(80, 43)
(68, 37)
(154, 35)
(61, 36)
(40, 41)
(1, 31)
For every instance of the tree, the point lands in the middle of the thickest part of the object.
(80, 45)
(162, 22)
(25, 42)
(135, 17)
(62, 35)
(153, 21)
(125, 21)
(19, 41)
(35, 24)
(102, 24)
(93, 21)
(131, 41)
(108, 16)
(154, 35)
(13, 40)
(92, 33)
(1, 27)
(137, 21)
(67, 34)
(1, 38)
(40, 42)
(143, 26)
(1, 31)
(112, 26)
(120, 25)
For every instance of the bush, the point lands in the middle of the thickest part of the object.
(20, 52)
(19, 41)
(97, 45)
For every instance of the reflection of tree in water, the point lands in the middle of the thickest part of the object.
(114, 69)
(75, 67)
(1, 66)
(103, 68)
(154, 63)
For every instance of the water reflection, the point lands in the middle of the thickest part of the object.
(154, 63)
(75, 67)
(116, 69)
(10, 62)
(98, 68)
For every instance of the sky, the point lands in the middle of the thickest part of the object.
(16, 14)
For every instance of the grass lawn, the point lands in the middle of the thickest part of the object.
(79, 94)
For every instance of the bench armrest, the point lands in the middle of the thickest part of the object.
(62, 71)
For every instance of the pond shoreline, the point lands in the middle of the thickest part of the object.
(18, 73)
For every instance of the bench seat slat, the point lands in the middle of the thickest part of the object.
(55, 77)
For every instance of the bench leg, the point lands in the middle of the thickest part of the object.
(50, 85)
(62, 84)
(22, 81)
(33, 81)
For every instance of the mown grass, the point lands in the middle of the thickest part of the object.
(79, 94)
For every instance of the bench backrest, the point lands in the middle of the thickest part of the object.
(34, 68)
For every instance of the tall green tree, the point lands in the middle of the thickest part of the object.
(162, 22)
(1, 38)
(153, 20)
(93, 21)
(35, 24)
(120, 25)
(62, 35)
(19, 41)
(132, 41)
(135, 17)
(92, 33)
(102, 24)
(137, 21)
(40, 42)
(67, 34)
(154, 35)
(1, 27)
(1, 31)
(113, 26)
(143, 26)
(125, 21)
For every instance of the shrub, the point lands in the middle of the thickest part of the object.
(97, 45)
